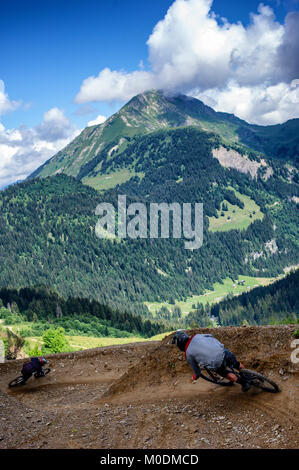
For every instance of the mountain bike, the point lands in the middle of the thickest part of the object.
(254, 379)
(20, 380)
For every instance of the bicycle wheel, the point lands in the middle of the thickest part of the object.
(260, 381)
(16, 382)
(213, 377)
(37, 374)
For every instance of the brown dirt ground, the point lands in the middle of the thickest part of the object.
(142, 396)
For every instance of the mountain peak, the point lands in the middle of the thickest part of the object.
(155, 110)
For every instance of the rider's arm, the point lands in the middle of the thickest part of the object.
(196, 369)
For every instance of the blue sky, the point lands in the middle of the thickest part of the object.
(49, 48)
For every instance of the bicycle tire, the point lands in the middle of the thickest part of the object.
(214, 378)
(17, 382)
(257, 379)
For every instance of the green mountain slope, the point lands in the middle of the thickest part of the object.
(47, 225)
(278, 141)
(274, 303)
(152, 111)
(263, 305)
(155, 149)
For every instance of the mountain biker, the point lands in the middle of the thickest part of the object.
(207, 351)
(34, 366)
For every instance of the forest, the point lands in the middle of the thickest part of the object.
(47, 227)
(275, 303)
(45, 308)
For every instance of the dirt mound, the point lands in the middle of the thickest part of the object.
(161, 366)
(260, 348)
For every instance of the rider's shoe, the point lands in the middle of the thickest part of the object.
(232, 377)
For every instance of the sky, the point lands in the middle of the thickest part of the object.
(66, 64)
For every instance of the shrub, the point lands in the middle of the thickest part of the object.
(55, 341)
(26, 331)
(34, 351)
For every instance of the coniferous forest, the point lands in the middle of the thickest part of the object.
(47, 227)
(46, 308)
(261, 306)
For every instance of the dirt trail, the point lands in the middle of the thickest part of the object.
(141, 396)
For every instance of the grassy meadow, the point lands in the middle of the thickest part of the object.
(220, 290)
(236, 218)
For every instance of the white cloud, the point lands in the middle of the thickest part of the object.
(259, 104)
(6, 104)
(24, 149)
(54, 127)
(98, 120)
(111, 85)
(192, 50)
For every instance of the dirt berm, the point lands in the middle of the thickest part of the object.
(142, 396)
(261, 348)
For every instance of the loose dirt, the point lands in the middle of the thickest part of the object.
(142, 396)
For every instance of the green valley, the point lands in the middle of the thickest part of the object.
(219, 292)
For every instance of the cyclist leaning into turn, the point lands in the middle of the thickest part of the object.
(207, 351)
(34, 366)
